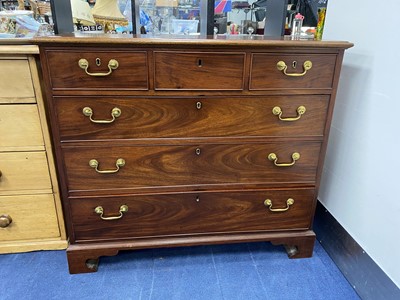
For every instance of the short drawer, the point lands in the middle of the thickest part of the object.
(197, 213)
(16, 81)
(198, 70)
(191, 117)
(32, 217)
(23, 173)
(107, 167)
(20, 128)
(292, 71)
(100, 70)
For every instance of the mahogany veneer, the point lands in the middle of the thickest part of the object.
(188, 143)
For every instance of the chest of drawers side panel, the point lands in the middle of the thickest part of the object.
(335, 83)
(48, 144)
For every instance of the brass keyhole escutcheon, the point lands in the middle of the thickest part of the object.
(112, 65)
(294, 64)
(199, 105)
(198, 151)
(281, 66)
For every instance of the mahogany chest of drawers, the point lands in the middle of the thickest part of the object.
(175, 142)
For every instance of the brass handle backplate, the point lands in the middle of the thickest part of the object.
(5, 220)
(112, 65)
(95, 165)
(281, 66)
(277, 111)
(273, 157)
(115, 113)
(100, 211)
(268, 203)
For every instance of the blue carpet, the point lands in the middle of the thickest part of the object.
(239, 271)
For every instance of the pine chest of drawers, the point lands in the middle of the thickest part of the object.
(30, 207)
(175, 142)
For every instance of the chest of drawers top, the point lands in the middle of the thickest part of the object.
(188, 65)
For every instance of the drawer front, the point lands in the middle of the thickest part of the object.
(16, 82)
(20, 127)
(166, 166)
(33, 217)
(266, 75)
(203, 117)
(178, 214)
(198, 71)
(66, 72)
(24, 172)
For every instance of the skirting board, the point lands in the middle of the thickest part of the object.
(366, 277)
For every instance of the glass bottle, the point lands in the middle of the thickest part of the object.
(296, 26)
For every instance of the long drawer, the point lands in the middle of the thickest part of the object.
(32, 217)
(190, 117)
(178, 165)
(24, 172)
(292, 71)
(192, 213)
(100, 70)
(16, 81)
(20, 128)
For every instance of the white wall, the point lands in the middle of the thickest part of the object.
(361, 179)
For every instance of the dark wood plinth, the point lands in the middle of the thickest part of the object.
(85, 258)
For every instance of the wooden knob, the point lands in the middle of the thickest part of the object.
(5, 220)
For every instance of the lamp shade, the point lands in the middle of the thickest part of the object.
(81, 13)
(107, 12)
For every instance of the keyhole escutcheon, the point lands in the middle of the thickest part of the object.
(198, 105)
(198, 151)
(98, 62)
(199, 62)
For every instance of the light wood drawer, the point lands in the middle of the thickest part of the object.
(16, 81)
(185, 165)
(23, 173)
(66, 73)
(20, 128)
(160, 215)
(198, 71)
(265, 74)
(191, 117)
(33, 217)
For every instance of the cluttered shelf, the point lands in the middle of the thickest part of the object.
(153, 17)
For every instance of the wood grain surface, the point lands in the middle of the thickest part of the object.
(160, 166)
(192, 213)
(190, 117)
(265, 75)
(65, 72)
